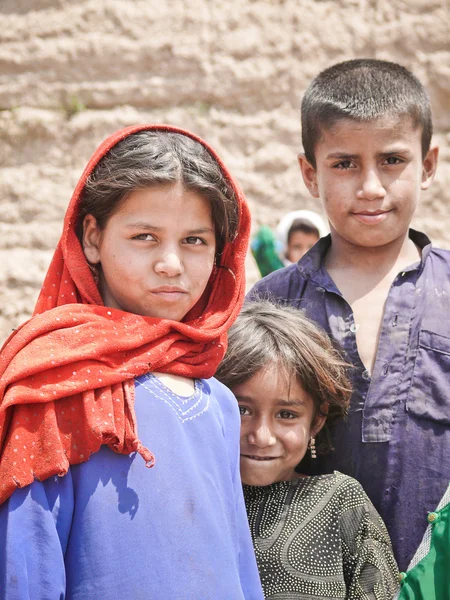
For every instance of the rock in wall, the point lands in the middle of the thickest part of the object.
(72, 72)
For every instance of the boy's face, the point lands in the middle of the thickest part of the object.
(369, 176)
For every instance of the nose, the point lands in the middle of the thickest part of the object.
(169, 263)
(261, 435)
(371, 186)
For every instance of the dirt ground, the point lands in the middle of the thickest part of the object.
(72, 72)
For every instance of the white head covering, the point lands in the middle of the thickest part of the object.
(285, 224)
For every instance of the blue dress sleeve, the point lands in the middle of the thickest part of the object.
(251, 584)
(248, 569)
(34, 529)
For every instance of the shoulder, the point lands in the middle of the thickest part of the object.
(217, 389)
(276, 285)
(355, 508)
(346, 491)
(440, 256)
(223, 397)
(348, 485)
(336, 488)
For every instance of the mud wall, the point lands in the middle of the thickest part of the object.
(71, 72)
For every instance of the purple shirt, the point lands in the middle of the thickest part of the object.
(396, 440)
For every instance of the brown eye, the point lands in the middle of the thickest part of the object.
(343, 165)
(393, 160)
(195, 241)
(287, 414)
(144, 237)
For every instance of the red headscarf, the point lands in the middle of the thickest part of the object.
(66, 375)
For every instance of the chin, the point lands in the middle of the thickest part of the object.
(257, 480)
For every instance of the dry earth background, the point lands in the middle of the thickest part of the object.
(72, 72)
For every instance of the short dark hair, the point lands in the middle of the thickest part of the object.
(159, 158)
(363, 89)
(304, 226)
(265, 334)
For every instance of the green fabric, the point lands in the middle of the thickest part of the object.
(265, 252)
(430, 578)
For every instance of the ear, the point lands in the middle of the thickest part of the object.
(91, 239)
(429, 167)
(309, 175)
(319, 419)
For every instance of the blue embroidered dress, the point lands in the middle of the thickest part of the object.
(111, 528)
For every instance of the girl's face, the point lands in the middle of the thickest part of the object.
(277, 421)
(156, 252)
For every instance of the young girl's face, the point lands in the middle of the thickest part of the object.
(277, 421)
(156, 252)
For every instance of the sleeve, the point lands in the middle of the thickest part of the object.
(34, 530)
(284, 285)
(248, 569)
(251, 584)
(370, 569)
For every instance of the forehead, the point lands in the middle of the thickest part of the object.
(301, 236)
(173, 201)
(352, 135)
(270, 385)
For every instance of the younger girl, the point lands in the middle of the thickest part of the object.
(113, 374)
(314, 537)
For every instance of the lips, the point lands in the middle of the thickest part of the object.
(371, 217)
(259, 458)
(169, 293)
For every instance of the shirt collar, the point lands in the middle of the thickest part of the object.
(312, 261)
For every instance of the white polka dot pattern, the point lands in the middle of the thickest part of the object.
(320, 537)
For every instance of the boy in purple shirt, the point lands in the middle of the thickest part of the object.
(378, 287)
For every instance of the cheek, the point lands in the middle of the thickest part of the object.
(123, 266)
(296, 438)
(201, 267)
(334, 200)
(406, 192)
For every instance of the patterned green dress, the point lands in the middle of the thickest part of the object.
(320, 538)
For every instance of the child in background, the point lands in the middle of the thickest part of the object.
(320, 536)
(377, 287)
(297, 232)
(265, 250)
(114, 373)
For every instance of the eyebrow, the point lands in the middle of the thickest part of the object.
(292, 402)
(280, 402)
(145, 225)
(347, 156)
(341, 155)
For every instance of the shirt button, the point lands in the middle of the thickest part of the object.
(353, 327)
(432, 517)
(401, 576)
(366, 375)
(320, 289)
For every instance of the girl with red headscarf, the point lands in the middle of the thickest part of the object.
(113, 374)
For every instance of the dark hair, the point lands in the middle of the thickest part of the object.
(363, 89)
(265, 334)
(304, 226)
(155, 158)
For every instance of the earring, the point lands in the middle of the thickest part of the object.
(312, 447)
